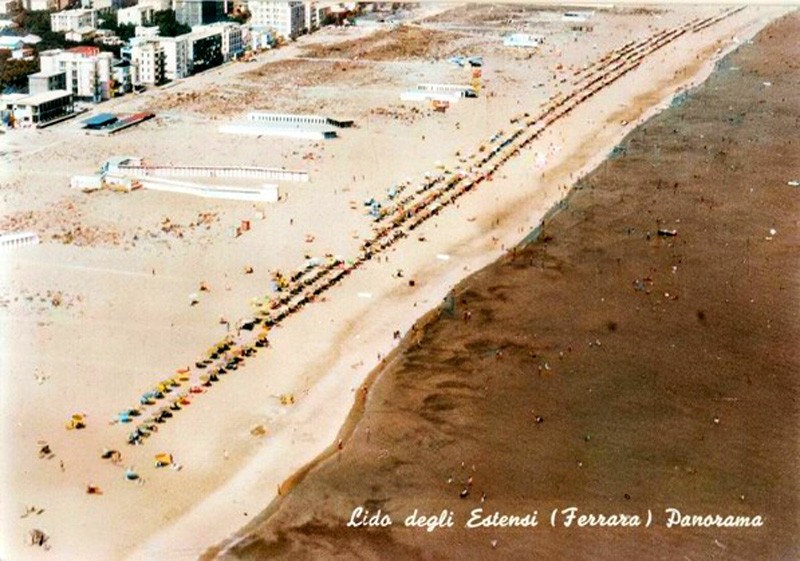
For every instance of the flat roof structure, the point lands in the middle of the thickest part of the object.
(100, 121)
(10, 42)
(44, 74)
(456, 89)
(12, 97)
(308, 132)
(290, 119)
(44, 97)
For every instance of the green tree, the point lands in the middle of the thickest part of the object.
(14, 73)
(168, 26)
(126, 31)
(34, 21)
(109, 21)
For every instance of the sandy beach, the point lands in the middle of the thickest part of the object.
(636, 358)
(99, 313)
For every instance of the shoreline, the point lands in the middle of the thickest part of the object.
(345, 433)
(697, 397)
(356, 413)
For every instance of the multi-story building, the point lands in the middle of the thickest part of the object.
(176, 56)
(232, 40)
(310, 14)
(148, 56)
(198, 12)
(285, 17)
(135, 15)
(31, 5)
(46, 81)
(157, 5)
(126, 76)
(108, 4)
(261, 38)
(87, 71)
(205, 49)
(73, 20)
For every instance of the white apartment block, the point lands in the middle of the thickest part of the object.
(73, 20)
(311, 15)
(232, 40)
(149, 57)
(31, 5)
(106, 4)
(88, 71)
(285, 17)
(176, 56)
(157, 5)
(135, 15)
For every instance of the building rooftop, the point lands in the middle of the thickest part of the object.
(43, 74)
(84, 50)
(75, 12)
(203, 31)
(12, 97)
(8, 41)
(100, 120)
(183, 37)
(44, 97)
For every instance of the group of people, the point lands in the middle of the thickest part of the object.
(399, 216)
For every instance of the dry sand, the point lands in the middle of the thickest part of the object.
(602, 366)
(119, 328)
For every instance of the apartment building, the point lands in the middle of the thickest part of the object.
(285, 17)
(87, 71)
(176, 56)
(149, 58)
(73, 20)
(135, 15)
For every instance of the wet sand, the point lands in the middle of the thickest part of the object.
(603, 365)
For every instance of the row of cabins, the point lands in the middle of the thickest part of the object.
(439, 92)
(16, 239)
(288, 119)
(310, 127)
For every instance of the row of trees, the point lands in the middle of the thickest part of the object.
(168, 25)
